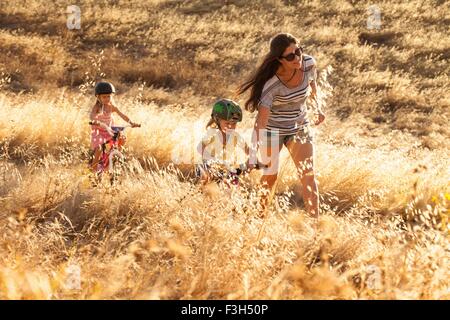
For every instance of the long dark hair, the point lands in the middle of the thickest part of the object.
(265, 70)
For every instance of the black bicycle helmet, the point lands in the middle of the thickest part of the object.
(227, 109)
(104, 88)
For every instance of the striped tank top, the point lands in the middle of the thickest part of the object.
(287, 105)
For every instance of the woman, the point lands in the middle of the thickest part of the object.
(278, 91)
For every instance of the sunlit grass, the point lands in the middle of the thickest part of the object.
(157, 228)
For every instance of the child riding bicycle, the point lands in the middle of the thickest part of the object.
(102, 120)
(224, 152)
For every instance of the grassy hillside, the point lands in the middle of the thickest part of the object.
(396, 77)
(381, 156)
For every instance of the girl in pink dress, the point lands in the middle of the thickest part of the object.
(102, 118)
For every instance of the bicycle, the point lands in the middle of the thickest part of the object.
(112, 159)
(218, 171)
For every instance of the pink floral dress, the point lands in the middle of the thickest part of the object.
(98, 134)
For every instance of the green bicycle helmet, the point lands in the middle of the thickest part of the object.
(226, 109)
(104, 88)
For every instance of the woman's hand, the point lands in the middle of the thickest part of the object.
(320, 117)
(135, 125)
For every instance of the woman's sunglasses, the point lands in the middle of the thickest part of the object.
(291, 56)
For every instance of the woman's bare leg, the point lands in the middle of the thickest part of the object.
(303, 156)
(271, 156)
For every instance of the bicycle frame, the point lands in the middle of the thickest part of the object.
(113, 146)
(229, 175)
(108, 156)
(111, 150)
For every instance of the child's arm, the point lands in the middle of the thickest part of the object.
(251, 163)
(93, 113)
(205, 154)
(246, 149)
(124, 117)
(203, 174)
(200, 148)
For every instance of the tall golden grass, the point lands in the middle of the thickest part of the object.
(159, 235)
(381, 156)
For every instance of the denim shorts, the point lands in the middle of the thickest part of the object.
(303, 135)
(275, 142)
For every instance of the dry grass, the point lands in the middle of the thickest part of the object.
(208, 47)
(383, 177)
(161, 236)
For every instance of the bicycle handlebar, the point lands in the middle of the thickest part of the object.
(241, 169)
(244, 168)
(119, 128)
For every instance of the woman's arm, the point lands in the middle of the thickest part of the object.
(317, 109)
(262, 118)
(314, 94)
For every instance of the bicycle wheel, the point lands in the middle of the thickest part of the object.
(116, 166)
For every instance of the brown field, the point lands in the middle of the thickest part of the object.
(382, 154)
